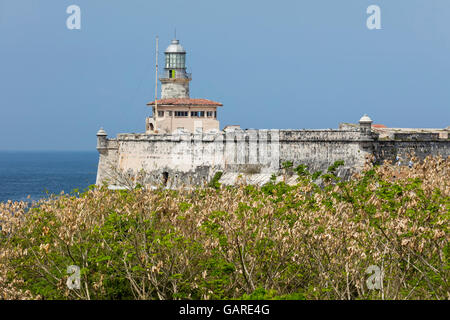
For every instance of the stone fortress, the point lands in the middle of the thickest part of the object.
(182, 143)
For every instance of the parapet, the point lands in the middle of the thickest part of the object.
(416, 136)
(234, 133)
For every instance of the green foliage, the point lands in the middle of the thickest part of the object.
(214, 183)
(287, 164)
(277, 241)
(335, 165)
(262, 294)
(316, 175)
(302, 170)
(273, 178)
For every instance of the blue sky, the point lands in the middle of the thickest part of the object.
(273, 64)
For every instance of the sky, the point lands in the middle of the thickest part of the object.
(273, 64)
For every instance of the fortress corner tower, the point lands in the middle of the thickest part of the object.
(176, 110)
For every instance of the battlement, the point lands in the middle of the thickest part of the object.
(416, 136)
(282, 135)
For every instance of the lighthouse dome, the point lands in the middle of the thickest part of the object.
(365, 119)
(175, 47)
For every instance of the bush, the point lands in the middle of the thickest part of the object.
(244, 242)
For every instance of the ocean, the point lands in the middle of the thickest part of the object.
(40, 173)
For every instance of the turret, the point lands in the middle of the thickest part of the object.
(102, 143)
(365, 125)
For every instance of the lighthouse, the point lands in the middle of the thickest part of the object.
(176, 110)
(175, 80)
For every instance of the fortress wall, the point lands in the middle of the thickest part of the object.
(107, 161)
(320, 155)
(185, 160)
(318, 149)
(195, 158)
(319, 135)
(390, 149)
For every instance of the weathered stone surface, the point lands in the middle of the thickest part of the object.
(193, 159)
(174, 88)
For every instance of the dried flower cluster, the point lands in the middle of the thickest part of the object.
(306, 241)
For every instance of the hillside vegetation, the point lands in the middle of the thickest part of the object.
(244, 242)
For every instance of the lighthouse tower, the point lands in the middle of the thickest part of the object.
(176, 110)
(175, 80)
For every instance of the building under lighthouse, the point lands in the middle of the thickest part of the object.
(175, 110)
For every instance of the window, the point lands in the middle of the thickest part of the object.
(170, 113)
(198, 114)
(215, 114)
(171, 74)
(175, 60)
(181, 113)
(160, 114)
(209, 114)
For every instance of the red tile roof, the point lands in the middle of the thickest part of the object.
(185, 101)
(379, 126)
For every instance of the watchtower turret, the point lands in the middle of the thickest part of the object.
(101, 140)
(365, 125)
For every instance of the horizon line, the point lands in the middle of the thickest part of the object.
(45, 150)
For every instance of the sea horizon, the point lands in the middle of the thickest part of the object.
(31, 175)
(45, 150)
